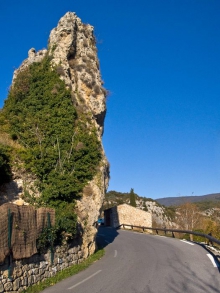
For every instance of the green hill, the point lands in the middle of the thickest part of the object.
(204, 201)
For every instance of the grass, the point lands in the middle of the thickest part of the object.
(68, 272)
(6, 140)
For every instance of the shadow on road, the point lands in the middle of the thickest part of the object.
(105, 236)
(215, 257)
(191, 281)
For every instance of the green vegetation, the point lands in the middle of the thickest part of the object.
(170, 212)
(132, 198)
(5, 168)
(113, 198)
(207, 204)
(203, 217)
(190, 217)
(65, 273)
(58, 145)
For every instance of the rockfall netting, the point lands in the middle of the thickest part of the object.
(42, 218)
(20, 227)
(4, 248)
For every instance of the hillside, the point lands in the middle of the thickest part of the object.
(162, 216)
(209, 200)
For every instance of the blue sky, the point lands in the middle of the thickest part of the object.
(160, 61)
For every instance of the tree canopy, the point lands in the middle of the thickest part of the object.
(132, 198)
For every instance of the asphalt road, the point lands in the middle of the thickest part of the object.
(141, 263)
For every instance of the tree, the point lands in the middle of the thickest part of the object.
(5, 168)
(188, 217)
(132, 198)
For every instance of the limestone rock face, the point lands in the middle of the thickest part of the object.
(73, 53)
(22, 182)
(33, 56)
(72, 45)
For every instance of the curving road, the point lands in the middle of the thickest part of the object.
(141, 263)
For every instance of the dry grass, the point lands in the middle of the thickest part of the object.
(6, 140)
(87, 190)
(60, 70)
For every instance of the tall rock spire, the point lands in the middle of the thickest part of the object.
(73, 54)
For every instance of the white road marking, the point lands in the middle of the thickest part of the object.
(184, 241)
(212, 260)
(85, 280)
(115, 253)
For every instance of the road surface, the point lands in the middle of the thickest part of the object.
(141, 263)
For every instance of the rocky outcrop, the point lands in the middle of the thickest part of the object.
(72, 45)
(22, 183)
(73, 53)
(73, 49)
(158, 212)
(33, 56)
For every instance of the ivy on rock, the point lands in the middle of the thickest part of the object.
(59, 146)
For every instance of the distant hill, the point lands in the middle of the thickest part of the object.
(175, 201)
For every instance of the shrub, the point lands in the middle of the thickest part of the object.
(60, 70)
(46, 239)
(88, 191)
(105, 92)
(80, 67)
(42, 117)
(89, 70)
(5, 168)
(89, 83)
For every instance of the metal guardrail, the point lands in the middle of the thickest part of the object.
(208, 236)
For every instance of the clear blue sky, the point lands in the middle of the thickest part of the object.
(160, 61)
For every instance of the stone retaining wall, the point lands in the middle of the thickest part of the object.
(126, 214)
(37, 268)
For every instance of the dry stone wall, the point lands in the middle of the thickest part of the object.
(37, 268)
